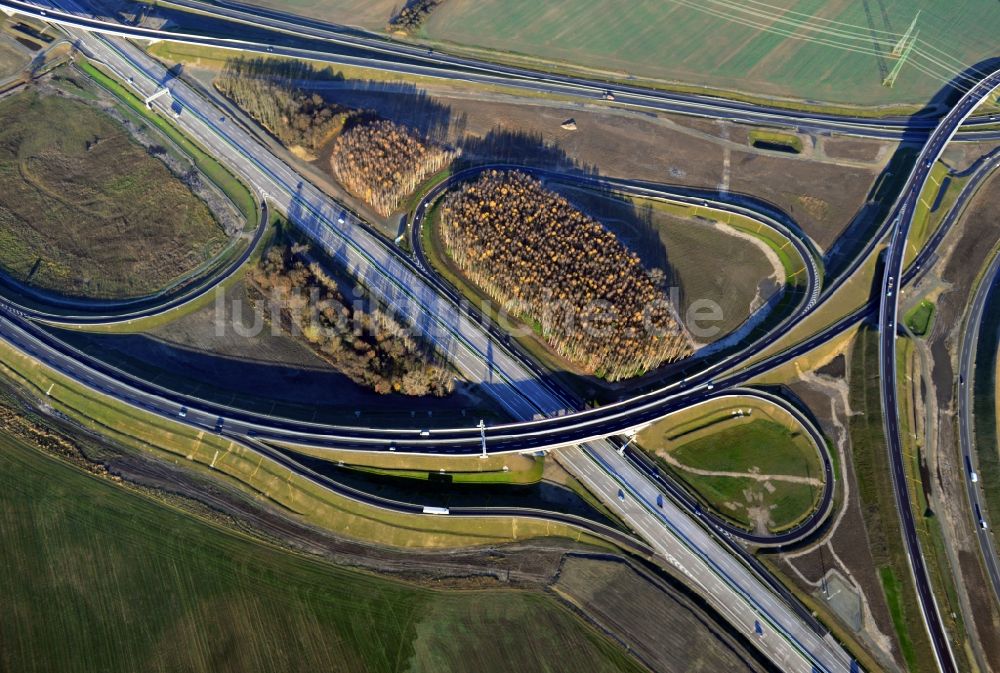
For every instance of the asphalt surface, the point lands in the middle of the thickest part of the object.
(970, 461)
(902, 216)
(620, 538)
(790, 648)
(735, 588)
(357, 48)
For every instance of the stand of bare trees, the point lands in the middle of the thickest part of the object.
(268, 91)
(369, 346)
(540, 258)
(382, 162)
(413, 13)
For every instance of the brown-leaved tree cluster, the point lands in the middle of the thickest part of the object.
(383, 162)
(268, 91)
(366, 344)
(544, 260)
(413, 13)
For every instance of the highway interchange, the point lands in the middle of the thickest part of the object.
(689, 547)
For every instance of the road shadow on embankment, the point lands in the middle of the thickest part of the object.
(866, 224)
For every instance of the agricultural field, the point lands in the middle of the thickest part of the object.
(750, 463)
(835, 51)
(369, 14)
(86, 211)
(656, 621)
(98, 578)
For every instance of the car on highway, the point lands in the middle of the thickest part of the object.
(342, 217)
(183, 412)
(659, 500)
(621, 495)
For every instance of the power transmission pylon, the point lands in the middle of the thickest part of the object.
(897, 51)
(891, 77)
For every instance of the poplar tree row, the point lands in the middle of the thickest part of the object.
(544, 260)
(268, 91)
(383, 162)
(366, 344)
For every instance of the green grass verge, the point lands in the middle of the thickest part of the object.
(100, 578)
(765, 446)
(519, 477)
(918, 319)
(893, 590)
(738, 446)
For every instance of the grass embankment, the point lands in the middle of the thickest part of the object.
(775, 140)
(719, 449)
(985, 402)
(100, 578)
(878, 506)
(238, 193)
(522, 477)
(86, 211)
(918, 319)
(494, 469)
(211, 454)
(939, 195)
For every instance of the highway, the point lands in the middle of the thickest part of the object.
(791, 640)
(373, 51)
(622, 539)
(967, 444)
(524, 396)
(902, 215)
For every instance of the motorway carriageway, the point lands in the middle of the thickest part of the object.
(934, 145)
(966, 382)
(388, 55)
(902, 216)
(756, 601)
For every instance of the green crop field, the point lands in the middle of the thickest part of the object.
(836, 51)
(370, 14)
(717, 453)
(97, 578)
(85, 211)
